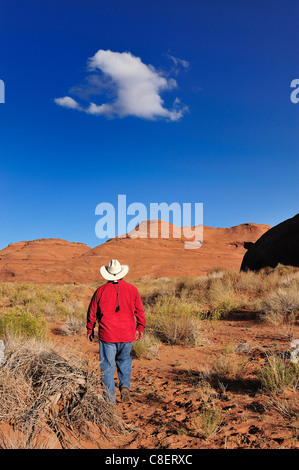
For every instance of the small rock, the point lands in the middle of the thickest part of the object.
(295, 356)
(294, 344)
(243, 347)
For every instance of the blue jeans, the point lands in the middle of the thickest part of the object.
(111, 354)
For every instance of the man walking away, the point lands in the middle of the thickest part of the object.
(118, 307)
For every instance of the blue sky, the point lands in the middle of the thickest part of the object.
(223, 70)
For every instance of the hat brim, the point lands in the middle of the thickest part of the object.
(114, 277)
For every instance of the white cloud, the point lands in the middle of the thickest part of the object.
(67, 102)
(176, 61)
(137, 88)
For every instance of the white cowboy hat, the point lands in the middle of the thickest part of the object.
(114, 271)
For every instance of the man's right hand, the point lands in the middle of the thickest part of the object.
(139, 335)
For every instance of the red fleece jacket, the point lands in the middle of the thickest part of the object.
(120, 326)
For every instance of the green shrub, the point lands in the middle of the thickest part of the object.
(23, 323)
(224, 307)
(49, 300)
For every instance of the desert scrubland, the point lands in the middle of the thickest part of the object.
(216, 367)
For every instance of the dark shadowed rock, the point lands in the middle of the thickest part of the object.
(279, 245)
(247, 245)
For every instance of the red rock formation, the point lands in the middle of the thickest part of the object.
(58, 261)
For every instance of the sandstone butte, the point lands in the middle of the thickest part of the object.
(58, 261)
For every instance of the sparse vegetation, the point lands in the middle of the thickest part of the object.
(272, 293)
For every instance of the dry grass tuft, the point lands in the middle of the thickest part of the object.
(282, 306)
(146, 348)
(73, 326)
(43, 386)
(278, 374)
(289, 410)
(175, 321)
(18, 440)
(229, 367)
(208, 420)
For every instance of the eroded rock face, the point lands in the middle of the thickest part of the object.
(280, 244)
